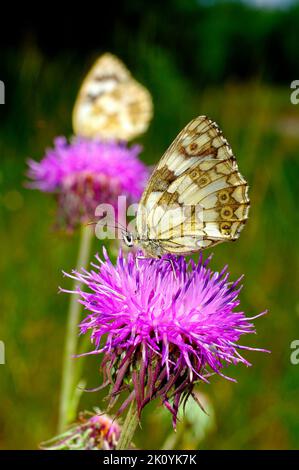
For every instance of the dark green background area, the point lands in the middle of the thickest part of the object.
(229, 61)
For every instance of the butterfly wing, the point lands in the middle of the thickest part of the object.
(196, 196)
(110, 103)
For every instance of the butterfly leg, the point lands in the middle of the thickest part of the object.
(137, 258)
(159, 257)
(172, 265)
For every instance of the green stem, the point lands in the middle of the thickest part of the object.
(128, 428)
(66, 409)
(172, 440)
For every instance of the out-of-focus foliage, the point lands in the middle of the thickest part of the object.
(208, 40)
(192, 58)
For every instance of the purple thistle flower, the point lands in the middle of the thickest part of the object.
(85, 173)
(162, 324)
(93, 431)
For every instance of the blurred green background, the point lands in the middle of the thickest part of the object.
(232, 61)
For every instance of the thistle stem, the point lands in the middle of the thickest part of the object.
(173, 440)
(66, 407)
(128, 428)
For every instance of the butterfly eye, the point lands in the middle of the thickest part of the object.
(128, 239)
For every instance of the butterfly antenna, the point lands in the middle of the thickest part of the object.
(117, 226)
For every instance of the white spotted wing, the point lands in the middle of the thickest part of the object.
(111, 104)
(196, 196)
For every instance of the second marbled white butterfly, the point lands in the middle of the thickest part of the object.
(196, 196)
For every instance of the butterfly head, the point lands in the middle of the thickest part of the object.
(151, 248)
(128, 238)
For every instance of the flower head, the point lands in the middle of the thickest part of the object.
(93, 431)
(162, 324)
(85, 173)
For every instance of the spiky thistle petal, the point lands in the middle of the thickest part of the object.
(161, 331)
